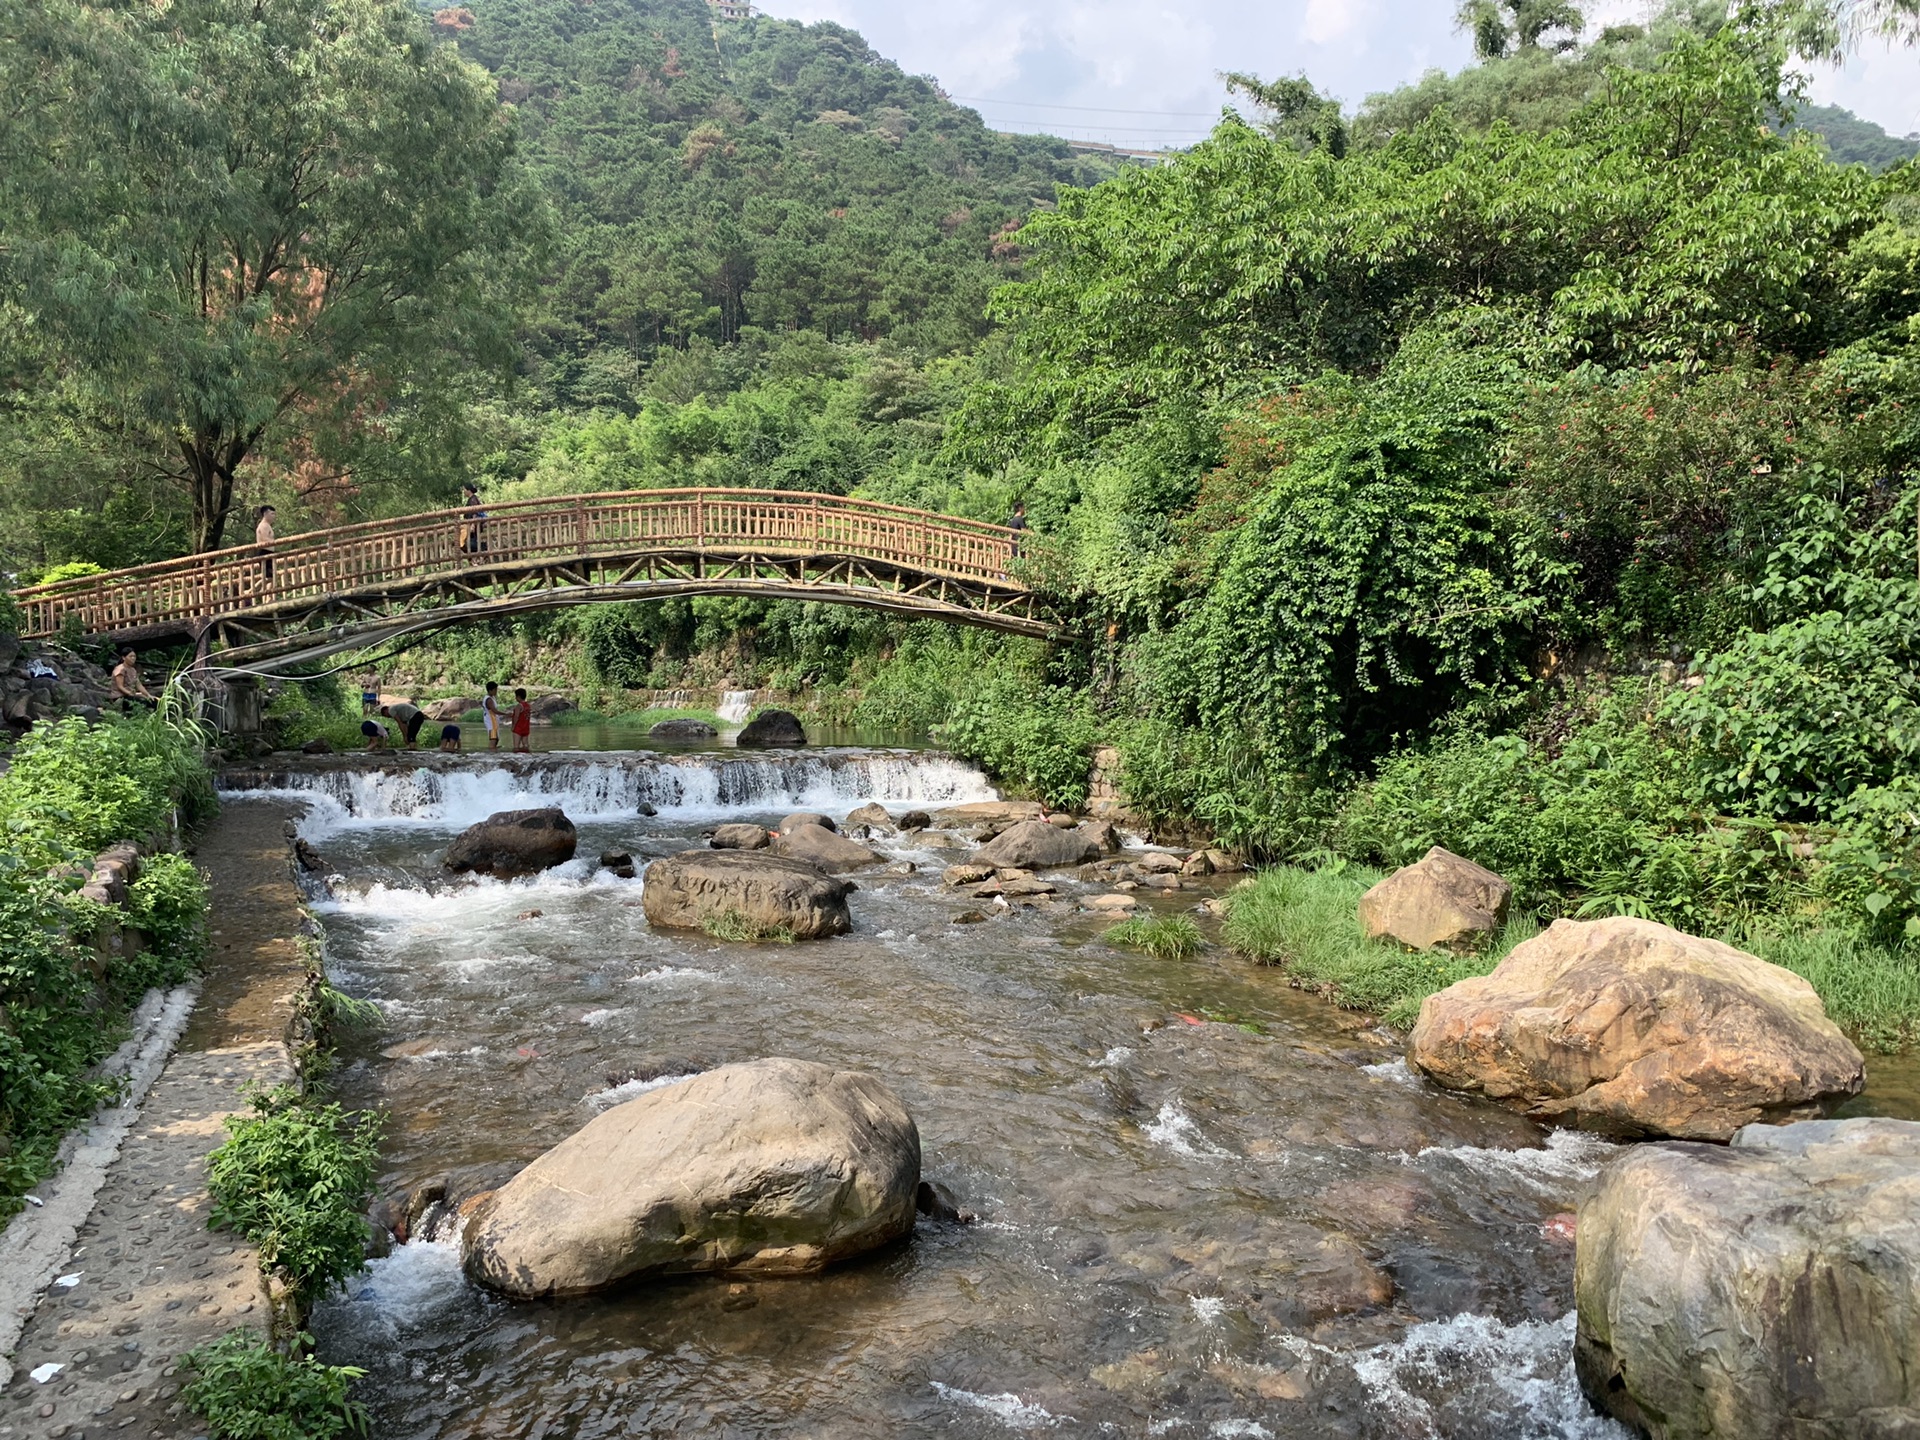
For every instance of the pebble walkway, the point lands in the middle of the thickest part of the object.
(147, 1281)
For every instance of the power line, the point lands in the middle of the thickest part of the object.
(1130, 130)
(1088, 109)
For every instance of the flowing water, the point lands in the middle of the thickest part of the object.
(1207, 1204)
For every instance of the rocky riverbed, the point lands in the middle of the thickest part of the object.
(1206, 1204)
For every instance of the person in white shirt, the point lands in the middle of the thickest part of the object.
(490, 712)
(263, 537)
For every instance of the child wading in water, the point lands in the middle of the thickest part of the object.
(522, 722)
(490, 712)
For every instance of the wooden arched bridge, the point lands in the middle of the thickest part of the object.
(325, 592)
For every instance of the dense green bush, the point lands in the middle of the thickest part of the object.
(169, 902)
(294, 1179)
(247, 1390)
(1038, 739)
(74, 788)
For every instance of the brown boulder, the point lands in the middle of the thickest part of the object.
(774, 1167)
(998, 814)
(1440, 900)
(1636, 1029)
(514, 842)
(806, 817)
(1036, 845)
(740, 837)
(770, 891)
(821, 847)
(873, 815)
(446, 711)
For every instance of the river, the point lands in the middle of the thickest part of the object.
(1209, 1205)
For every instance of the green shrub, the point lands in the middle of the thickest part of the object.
(73, 788)
(53, 1027)
(294, 1178)
(1870, 991)
(69, 570)
(736, 927)
(246, 1390)
(1165, 937)
(169, 902)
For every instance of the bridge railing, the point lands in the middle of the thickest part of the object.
(379, 555)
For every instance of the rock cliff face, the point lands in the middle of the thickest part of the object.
(38, 684)
(774, 1167)
(1767, 1288)
(1638, 1030)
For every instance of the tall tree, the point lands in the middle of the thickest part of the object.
(242, 223)
(1499, 26)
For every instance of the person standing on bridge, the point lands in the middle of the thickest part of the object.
(263, 537)
(1017, 523)
(473, 533)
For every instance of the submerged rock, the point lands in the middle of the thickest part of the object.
(1763, 1289)
(514, 842)
(773, 1167)
(772, 728)
(821, 847)
(873, 815)
(771, 891)
(740, 837)
(1440, 900)
(998, 814)
(681, 730)
(1636, 1029)
(1036, 845)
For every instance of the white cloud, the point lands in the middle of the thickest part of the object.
(1032, 59)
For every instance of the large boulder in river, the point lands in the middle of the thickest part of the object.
(1766, 1288)
(774, 1167)
(998, 814)
(806, 817)
(1036, 845)
(771, 728)
(681, 730)
(819, 846)
(770, 891)
(1439, 900)
(1636, 1029)
(514, 842)
(740, 836)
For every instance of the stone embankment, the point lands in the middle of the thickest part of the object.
(115, 1270)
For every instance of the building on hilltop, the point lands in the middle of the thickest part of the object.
(731, 9)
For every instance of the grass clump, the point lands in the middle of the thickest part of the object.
(1305, 920)
(246, 1390)
(294, 1179)
(1870, 991)
(1165, 937)
(739, 928)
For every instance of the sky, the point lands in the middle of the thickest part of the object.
(1144, 73)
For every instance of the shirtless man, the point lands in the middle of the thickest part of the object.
(128, 685)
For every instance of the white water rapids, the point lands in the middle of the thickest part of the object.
(1186, 1172)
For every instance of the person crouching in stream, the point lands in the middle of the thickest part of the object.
(408, 717)
(450, 739)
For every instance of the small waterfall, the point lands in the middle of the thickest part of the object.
(614, 788)
(735, 706)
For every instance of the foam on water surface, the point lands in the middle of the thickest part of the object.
(1009, 1409)
(676, 786)
(1444, 1375)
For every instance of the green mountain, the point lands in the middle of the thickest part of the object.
(717, 176)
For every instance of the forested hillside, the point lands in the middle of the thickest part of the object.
(1525, 462)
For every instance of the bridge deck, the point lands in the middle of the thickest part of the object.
(392, 560)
